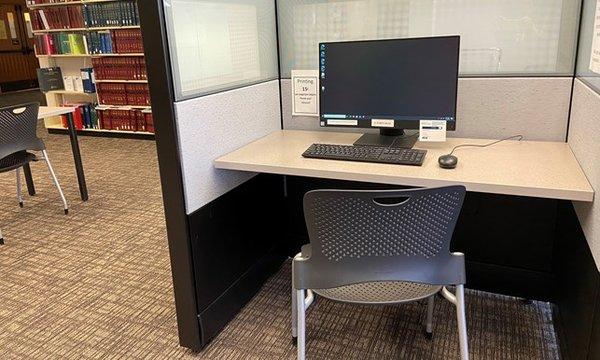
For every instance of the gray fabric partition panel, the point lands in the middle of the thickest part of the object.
(584, 139)
(213, 125)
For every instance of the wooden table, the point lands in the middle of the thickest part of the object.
(48, 111)
(521, 168)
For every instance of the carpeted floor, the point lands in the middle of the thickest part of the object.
(96, 284)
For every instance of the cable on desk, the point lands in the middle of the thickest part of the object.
(486, 145)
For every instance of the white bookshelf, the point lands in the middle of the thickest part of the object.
(66, 3)
(71, 65)
(99, 28)
(87, 55)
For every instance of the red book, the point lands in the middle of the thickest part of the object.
(78, 118)
(149, 122)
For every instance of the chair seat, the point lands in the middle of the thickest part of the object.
(380, 292)
(16, 160)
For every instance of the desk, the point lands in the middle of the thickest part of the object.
(514, 228)
(521, 168)
(49, 111)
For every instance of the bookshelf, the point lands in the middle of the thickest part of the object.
(33, 5)
(103, 35)
(97, 28)
(122, 81)
(86, 55)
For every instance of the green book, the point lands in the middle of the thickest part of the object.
(65, 46)
(76, 43)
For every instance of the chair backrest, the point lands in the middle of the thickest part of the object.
(399, 235)
(18, 126)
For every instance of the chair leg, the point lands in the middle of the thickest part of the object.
(429, 319)
(301, 313)
(462, 322)
(62, 196)
(19, 196)
(294, 316)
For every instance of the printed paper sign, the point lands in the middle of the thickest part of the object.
(432, 130)
(305, 92)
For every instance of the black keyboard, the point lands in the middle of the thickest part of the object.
(375, 154)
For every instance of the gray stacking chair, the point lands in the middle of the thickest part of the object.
(18, 126)
(380, 247)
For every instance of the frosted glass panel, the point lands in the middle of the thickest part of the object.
(585, 46)
(498, 37)
(218, 45)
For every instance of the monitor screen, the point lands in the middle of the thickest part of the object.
(389, 83)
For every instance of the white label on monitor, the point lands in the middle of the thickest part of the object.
(432, 130)
(342, 122)
(382, 123)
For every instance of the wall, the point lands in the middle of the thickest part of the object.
(489, 108)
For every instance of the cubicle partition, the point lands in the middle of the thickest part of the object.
(516, 56)
(219, 78)
(215, 86)
(578, 300)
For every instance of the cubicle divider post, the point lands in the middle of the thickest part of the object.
(160, 81)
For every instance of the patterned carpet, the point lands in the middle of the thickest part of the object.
(96, 284)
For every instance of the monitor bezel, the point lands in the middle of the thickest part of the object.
(398, 124)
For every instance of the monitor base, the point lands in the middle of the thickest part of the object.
(396, 138)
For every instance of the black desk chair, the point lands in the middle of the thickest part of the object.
(380, 247)
(18, 135)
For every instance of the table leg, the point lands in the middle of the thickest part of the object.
(29, 179)
(77, 158)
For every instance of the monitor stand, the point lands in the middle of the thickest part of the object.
(388, 137)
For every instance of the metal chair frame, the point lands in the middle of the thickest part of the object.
(18, 125)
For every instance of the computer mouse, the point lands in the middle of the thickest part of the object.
(448, 161)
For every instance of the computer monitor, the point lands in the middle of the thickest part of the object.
(388, 84)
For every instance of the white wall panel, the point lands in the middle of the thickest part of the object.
(214, 125)
(490, 108)
(584, 139)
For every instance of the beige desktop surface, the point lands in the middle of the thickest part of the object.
(47, 111)
(523, 168)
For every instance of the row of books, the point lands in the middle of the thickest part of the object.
(60, 43)
(121, 41)
(127, 41)
(88, 116)
(123, 94)
(84, 117)
(120, 68)
(64, 17)
(99, 42)
(39, 2)
(126, 119)
(118, 13)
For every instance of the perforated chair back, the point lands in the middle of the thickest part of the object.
(18, 126)
(364, 236)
